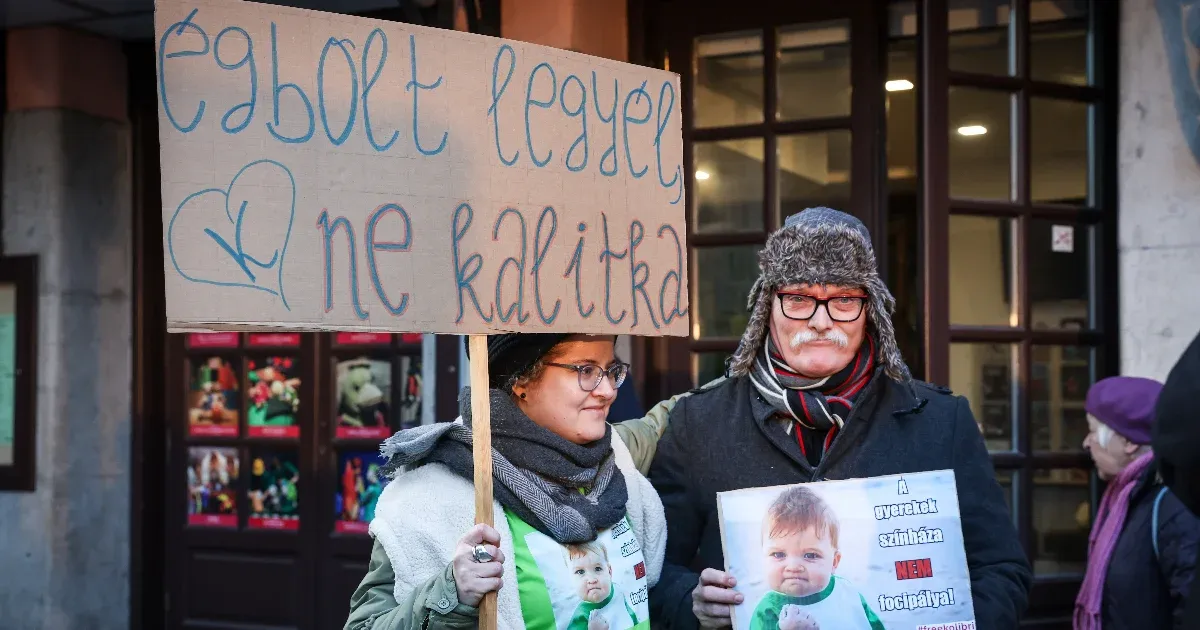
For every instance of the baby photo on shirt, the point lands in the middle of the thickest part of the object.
(597, 585)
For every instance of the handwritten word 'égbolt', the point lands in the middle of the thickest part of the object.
(908, 508)
(906, 537)
(356, 68)
(914, 601)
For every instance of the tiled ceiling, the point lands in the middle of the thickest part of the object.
(134, 19)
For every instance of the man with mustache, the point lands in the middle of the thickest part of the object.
(816, 391)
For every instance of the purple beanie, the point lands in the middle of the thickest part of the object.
(1126, 405)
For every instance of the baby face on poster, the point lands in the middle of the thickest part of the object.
(800, 549)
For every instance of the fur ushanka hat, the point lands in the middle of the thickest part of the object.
(820, 246)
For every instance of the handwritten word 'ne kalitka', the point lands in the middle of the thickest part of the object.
(343, 96)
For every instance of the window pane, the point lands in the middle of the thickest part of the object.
(1059, 146)
(1005, 479)
(723, 279)
(1060, 265)
(981, 271)
(1061, 520)
(980, 36)
(903, 213)
(729, 80)
(707, 366)
(814, 59)
(813, 170)
(729, 186)
(985, 374)
(1058, 48)
(1061, 378)
(980, 144)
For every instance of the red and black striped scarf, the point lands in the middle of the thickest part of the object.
(818, 404)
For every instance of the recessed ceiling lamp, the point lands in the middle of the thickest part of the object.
(898, 85)
(702, 175)
(972, 130)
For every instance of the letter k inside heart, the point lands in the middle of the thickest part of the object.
(237, 237)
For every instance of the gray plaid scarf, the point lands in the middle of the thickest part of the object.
(567, 491)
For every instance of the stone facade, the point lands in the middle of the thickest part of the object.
(1159, 140)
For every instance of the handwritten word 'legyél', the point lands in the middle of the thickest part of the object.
(908, 508)
(346, 72)
(906, 537)
(915, 601)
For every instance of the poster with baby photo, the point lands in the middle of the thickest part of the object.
(599, 585)
(860, 554)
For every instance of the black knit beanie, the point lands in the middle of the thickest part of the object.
(510, 355)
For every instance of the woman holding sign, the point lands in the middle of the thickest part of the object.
(580, 533)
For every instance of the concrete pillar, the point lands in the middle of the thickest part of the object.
(1159, 187)
(64, 549)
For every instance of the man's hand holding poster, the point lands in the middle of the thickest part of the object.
(884, 552)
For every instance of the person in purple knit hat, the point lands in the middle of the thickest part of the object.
(1142, 548)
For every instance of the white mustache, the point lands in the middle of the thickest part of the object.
(832, 335)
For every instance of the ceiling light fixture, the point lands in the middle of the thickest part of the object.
(702, 175)
(898, 85)
(972, 130)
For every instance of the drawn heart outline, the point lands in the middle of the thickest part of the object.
(235, 251)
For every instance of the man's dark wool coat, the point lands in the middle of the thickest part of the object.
(724, 438)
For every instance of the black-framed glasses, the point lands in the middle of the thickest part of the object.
(591, 374)
(841, 308)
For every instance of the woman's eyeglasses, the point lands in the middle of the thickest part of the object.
(590, 374)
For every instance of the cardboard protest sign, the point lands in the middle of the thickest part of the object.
(327, 172)
(884, 552)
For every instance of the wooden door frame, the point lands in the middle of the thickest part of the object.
(666, 370)
(661, 33)
(147, 543)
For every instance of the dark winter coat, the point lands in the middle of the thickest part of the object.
(1142, 592)
(723, 439)
(1177, 442)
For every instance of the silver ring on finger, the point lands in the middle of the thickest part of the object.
(480, 554)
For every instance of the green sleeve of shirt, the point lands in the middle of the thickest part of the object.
(766, 615)
(641, 435)
(432, 606)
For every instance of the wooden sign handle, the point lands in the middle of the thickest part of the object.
(481, 428)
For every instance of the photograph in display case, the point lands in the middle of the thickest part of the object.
(274, 397)
(213, 402)
(411, 392)
(360, 482)
(212, 476)
(274, 491)
(364, 398)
